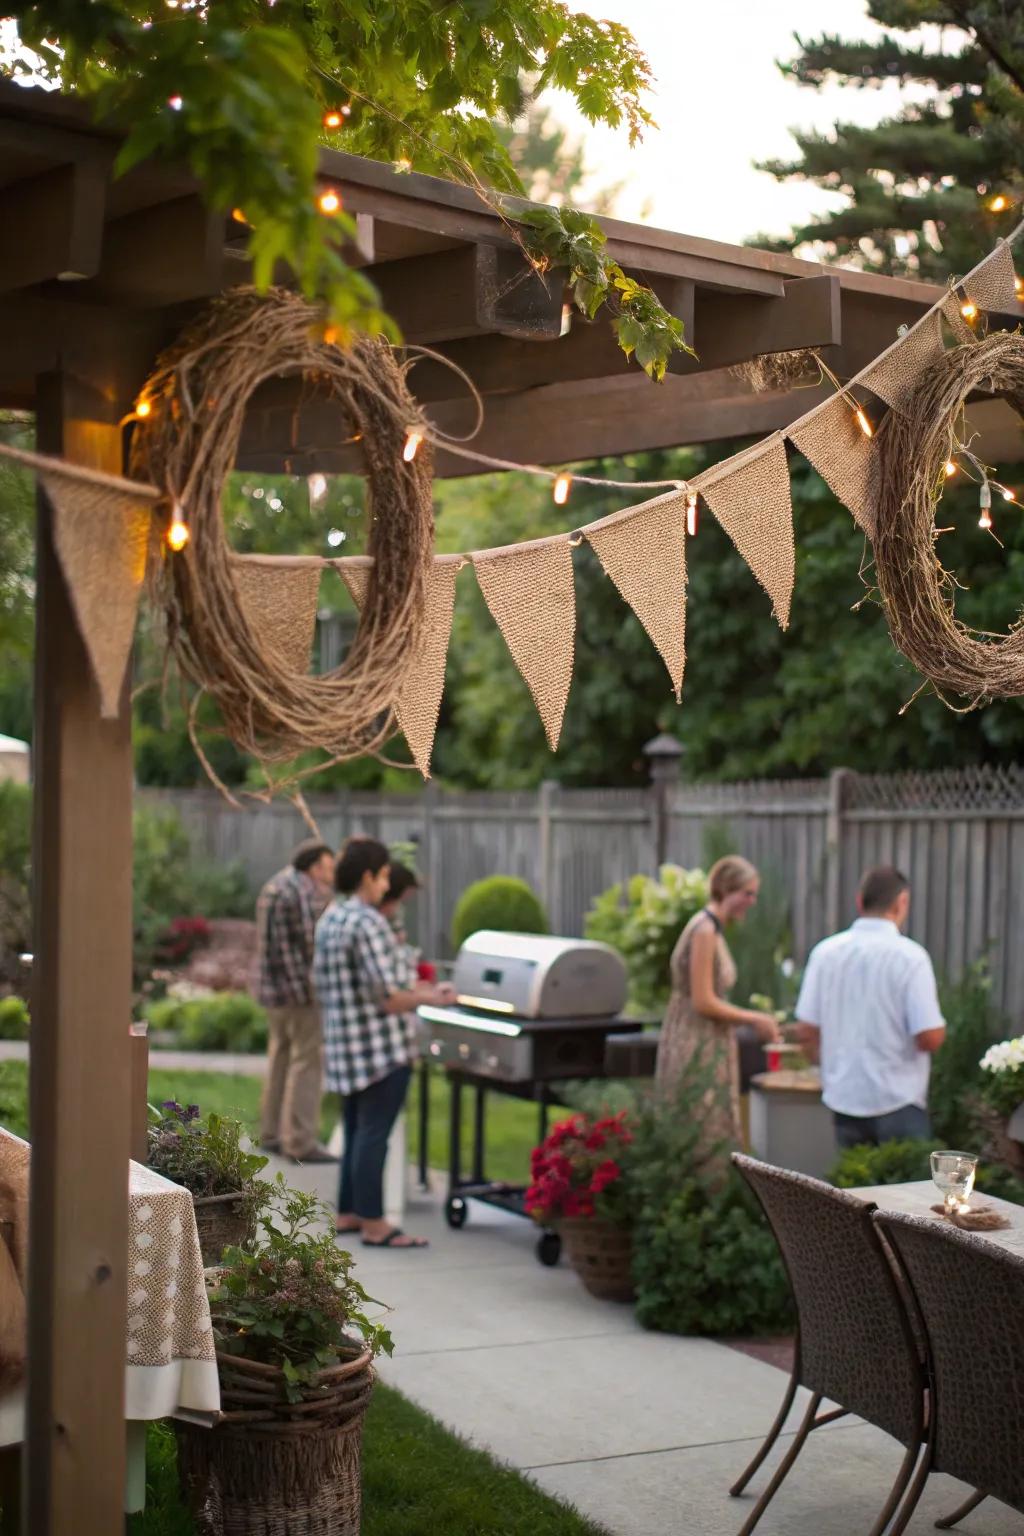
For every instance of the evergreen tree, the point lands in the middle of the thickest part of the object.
(930, 189)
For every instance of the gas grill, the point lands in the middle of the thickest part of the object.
(530, 1012)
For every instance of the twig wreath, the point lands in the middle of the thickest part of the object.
(187, 445)
(916, 590)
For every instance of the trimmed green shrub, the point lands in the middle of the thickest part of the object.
(501, 902)
(907, 1162)
(227, 1021)
(13, 1018)
(643, 921)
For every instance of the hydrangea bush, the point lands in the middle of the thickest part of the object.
(1002, 1080)
(643, 920)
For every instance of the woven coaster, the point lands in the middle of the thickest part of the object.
(980, 1218)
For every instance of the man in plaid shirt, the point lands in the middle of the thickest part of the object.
(286, 914)
(362, 984)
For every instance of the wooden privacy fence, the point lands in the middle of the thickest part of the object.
(958, 835)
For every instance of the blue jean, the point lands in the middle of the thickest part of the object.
(368, 1117)
(910, 1123)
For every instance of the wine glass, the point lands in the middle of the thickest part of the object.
(953, 1174)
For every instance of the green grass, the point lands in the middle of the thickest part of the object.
(511, 1123)
(417, 1478)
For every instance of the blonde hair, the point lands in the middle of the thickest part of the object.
(729, 875)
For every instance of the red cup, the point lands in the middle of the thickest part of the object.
(425, 971)
(774, 1055)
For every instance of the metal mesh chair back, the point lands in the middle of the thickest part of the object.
(971, 1298)
(856, 1344)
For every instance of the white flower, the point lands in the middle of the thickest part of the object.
(1007, 1056)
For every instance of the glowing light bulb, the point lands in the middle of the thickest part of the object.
(999, 203)
(329, 202)
(333, 120)
(143, 408)
(951, 467)
(969, 310)
(316, 484)
(413, 439)
(178, 533)
(175, 103)
(985, 520)
(403, 166)
(691, 514)
(864, 423)
(238, 216)
(1018, 286)
(561, 489)
(330, 335)
(1009, 494)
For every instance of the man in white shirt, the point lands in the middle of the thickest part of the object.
(869, 1011)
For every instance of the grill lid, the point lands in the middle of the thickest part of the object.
(537, 976)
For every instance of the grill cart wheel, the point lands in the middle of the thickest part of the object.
(455, 1211)
(549, 1248)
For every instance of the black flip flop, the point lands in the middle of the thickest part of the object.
(389, 1241)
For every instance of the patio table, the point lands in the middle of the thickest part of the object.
(170, 1366)
(917, 1199)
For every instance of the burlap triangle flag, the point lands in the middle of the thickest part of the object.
(894, 377)
(419, 696)
(102, 536)
(279, 599)
(529, 590)
(992, 284)
(643, 550)
(831, 438)
(963, 333)
(749, 495)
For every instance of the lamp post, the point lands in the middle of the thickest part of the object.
(664, 755)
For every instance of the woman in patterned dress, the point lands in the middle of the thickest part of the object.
(700, 1022)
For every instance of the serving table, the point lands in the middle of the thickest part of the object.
(917, 1199)
(170, 1367)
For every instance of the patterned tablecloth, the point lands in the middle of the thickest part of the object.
(169, 1355)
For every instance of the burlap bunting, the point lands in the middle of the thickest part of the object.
(102, 536)
(992, 284)
(962, 332)
(643, 550)
(749, 495)
(529, 590)
(895, 375)
(831, 438)
(419, 696)
(280, 602)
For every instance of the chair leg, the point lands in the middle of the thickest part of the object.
(784, 1466)
(948, 1521)
(770, 1439)
(899, 1488)
(916, 1489)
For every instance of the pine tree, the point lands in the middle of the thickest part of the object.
(930, 189)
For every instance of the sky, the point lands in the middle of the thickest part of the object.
(721, 104)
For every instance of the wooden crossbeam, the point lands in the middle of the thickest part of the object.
(169, 253)
(730, 328)
(470, 291)
(54, 225)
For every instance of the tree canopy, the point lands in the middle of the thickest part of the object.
(928, 190)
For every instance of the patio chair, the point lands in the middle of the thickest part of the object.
(856, 1345)
(970, 1295)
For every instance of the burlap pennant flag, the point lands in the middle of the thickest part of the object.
(643, 550)
(749, 495)
(419, 697)
(831, 438)
(279, 598)
(102, 537)
(963, 333)
(894, 377)
(992, 285)
(529, 590)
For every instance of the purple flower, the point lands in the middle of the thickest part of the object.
(192, 1112)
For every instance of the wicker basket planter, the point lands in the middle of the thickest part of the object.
(222, 1221)
(601, 1253)
(274, 1468)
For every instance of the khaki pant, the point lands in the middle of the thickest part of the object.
(291, 1097)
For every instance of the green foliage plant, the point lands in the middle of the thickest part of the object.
(205, 1157)
(973, 1023)
(224, 1021)
(292, 1300)
(13, 1018)
(502, 902)
(1002, 1076)
(907, 1162)
(643, 921)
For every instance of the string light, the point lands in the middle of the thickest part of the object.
(863, 422)
(333, 120)
(178, 534)
(1018, 286)
(413, 439)
(316, 484)
(238, 216)
(330, 335)
(329, 202)
(985, 502)
(951, 467)
(999, 203)
(175, 103)
(143, 408)
(969, 310)
(561, 489)
(691, 514)
(1008, 494)
(403, 166)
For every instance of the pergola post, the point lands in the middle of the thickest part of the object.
(80, 1069)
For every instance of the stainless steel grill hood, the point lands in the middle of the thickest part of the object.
(532, 976)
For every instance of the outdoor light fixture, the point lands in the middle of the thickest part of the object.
(333, 120)
(969, 310)
(178, 533)
(999, 203)
(985, 501)
(329, 201)
(1008, 494)
(143, 408)
(561, 490)
(863, 422)
(951, 467)
(413, 438)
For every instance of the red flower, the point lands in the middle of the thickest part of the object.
(604, 1175)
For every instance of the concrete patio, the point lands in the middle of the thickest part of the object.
(642, 1432)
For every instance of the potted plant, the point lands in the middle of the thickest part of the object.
(208, 1159)
(1002, 1092)
(578, 1186)
(295, 1352)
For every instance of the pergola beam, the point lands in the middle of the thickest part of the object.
(54, 225)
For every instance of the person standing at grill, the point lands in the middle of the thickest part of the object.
(286, 913)
(699, 1029)
(368, 1001)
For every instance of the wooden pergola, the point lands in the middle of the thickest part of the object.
(95, 276)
